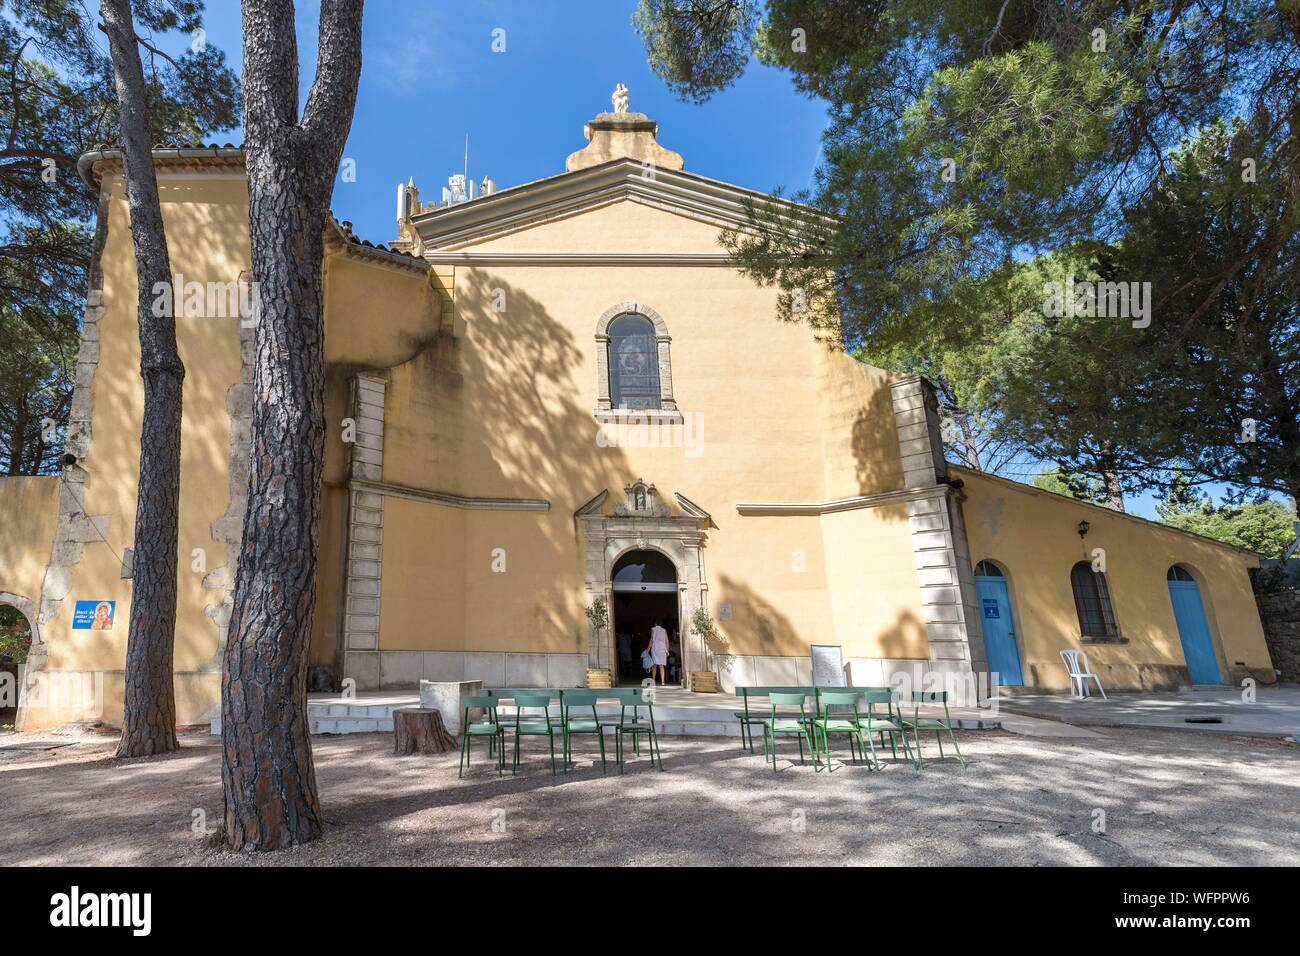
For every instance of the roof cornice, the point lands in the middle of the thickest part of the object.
(94, 165)
(1033, 491)
(339, 240)
(487, 217)
(580, 259)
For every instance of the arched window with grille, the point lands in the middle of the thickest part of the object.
(1092, 601)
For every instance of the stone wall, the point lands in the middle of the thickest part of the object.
(1280, 614)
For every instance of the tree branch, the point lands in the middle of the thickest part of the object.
(338, 71)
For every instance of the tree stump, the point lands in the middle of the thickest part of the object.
(419, 730)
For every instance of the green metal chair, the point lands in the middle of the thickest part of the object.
(787, 725)
(919, 723)
(489, 727)
(539, 726)
(891, 723)
(635, 699)
(749, 719)
(582, 724)
(842, 722)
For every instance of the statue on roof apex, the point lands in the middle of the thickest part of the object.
(620, 98)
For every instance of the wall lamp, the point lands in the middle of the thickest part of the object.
(1083, 528)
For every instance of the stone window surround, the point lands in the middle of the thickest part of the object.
(667, 412)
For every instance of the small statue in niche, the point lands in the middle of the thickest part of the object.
(641, 500)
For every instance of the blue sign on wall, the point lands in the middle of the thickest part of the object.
(94, 615)
(991, 608)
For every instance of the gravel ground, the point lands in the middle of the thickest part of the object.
(1169, 797)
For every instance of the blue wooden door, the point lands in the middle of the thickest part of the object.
(999, 630)
(1194, 632)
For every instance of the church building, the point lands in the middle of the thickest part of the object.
(561, 395)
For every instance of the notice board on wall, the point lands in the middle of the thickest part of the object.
(827, 665)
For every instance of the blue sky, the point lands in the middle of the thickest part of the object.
(430, 77)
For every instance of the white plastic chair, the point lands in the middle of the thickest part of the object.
(1076, 663)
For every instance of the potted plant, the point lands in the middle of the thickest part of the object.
(598, 616)
(702, 626)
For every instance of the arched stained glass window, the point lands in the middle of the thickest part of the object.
(633, 363)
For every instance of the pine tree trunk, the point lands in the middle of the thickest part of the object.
(18, 444)
(1114, 491)
(149, 719)
(268, 776)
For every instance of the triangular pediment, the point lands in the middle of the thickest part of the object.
(719, 204)
(641, 501)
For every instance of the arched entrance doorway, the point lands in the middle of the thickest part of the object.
(15, 642)
(1193, 628)
(999, 624)
(644, 586)
(643, 523)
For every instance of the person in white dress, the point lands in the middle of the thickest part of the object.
(659, 653)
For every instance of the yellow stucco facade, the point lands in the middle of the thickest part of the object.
(1034, 536)
(482, 483)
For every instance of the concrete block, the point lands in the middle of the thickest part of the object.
(359, 641)
(734, 671)
(776, 671)
(487, 666)
(941, 595)
(364, 606)
(446, 696)
(401, 668)
(366, 586)
(931, 540)
(444, 665)
(363, 667)
(525, 670)
(940, 613)
(566, 670)
(931, 522)
(364, 551)
(936, 577)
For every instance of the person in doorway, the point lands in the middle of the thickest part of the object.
(624, 640)
(659, 653)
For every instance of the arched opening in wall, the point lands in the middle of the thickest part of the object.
(998, 620)
(633, 363)
(1092, 602)
(1193, 626)
(644, 585)
(15, 642)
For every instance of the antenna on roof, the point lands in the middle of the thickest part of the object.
(461, 188)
